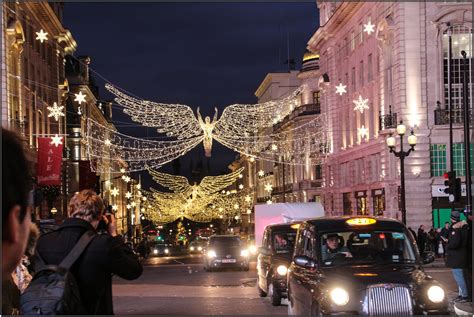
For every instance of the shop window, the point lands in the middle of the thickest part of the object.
(438, 159)
(347, 203)
(361, 200)
(378, 197)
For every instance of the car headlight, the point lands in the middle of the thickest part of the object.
(155, 251)
(211, 254)
(191, 248)
(435, 294)
(253, 249)
(199, 248)
(339, 296)
(282, 270)
(167, 251)
(244, 253)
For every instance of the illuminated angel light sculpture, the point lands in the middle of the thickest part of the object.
(207, 126)
(249, 129)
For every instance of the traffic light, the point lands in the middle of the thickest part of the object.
(453, 186)
(457, 190)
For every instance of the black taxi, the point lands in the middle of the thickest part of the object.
(273, 260)
(360, 266)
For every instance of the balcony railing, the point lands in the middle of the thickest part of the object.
(441, 116)
(303, 110)
(387, 121)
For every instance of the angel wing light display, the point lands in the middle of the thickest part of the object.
(246, 128)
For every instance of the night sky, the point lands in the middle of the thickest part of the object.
(199, 54)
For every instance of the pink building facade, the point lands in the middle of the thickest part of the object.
(400, 71)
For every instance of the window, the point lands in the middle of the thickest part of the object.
(461, 40)
(361, 73)
(308, 247)
(353, 40)
(369, 68)
(319, 172)
(438, 159)
(361, 33)
(458, 159)
(353, 79)
(361, 199)
(316, 97)
(347, 203)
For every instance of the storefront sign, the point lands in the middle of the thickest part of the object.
(50, 155)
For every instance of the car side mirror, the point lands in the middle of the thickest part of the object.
(428, 257)
(305, 262)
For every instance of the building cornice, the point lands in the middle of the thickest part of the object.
(335, 22)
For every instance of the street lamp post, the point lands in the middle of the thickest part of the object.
(391, 142)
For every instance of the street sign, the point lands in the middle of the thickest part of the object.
(438, 191)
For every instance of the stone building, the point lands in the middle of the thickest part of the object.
(392, 56)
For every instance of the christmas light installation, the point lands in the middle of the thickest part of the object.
(56, 140)
(42, 36)
(55, 111)
(341, 89)
(369, 27)
(80, 97)
(361, 104)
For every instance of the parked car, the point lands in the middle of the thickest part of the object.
(160, 249)
(360, 266)
(225, 251)
(273, 260)
(196, 247)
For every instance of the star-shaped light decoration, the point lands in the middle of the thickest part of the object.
(341, 89)
(361, 104)
(221, 216)
(274, 147)
(268, 187)
(261, 173)
(122, 170)
(114, 207)
(236, 217)
(241, 175)
(80, 97)
(248, 198)
(252, 159)
(269, 202)
(55, 111)
(107, 142)
(221, 209)
(369, 27)
(129, 206)
(127, 179)
(139, 186)
(236, 206)
(128, 195)
(144, 198)
(56, 140)
(363, 132)
(249, 211)
(227, 192)
(114, 192)
(241, 186)
(42, 36)
(133, 204)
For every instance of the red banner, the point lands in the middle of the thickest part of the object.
(50, 153)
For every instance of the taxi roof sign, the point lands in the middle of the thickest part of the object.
(295, 226)
(361, 221)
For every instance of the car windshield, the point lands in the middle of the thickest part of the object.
(366, 247)
(283, 242)
(225, 242)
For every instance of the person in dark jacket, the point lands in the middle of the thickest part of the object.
(456, 257)
(422, 239)
(105, 255)
(444, 236)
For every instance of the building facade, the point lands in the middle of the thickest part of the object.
(389, 62)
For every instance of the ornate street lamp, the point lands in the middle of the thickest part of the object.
(391, 143)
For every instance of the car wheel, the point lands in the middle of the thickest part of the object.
(275, 299)
(261, 293)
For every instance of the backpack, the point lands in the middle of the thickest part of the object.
(54, 290)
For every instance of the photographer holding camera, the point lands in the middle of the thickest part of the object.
(105, 255)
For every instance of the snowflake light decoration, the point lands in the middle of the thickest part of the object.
(114, 192)
(80, 98)
(56, 140)
(369, 27)
(268, 187)
(42, 36)
(55, 111)
(341, 89)
(361, 104)
(128, 195)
